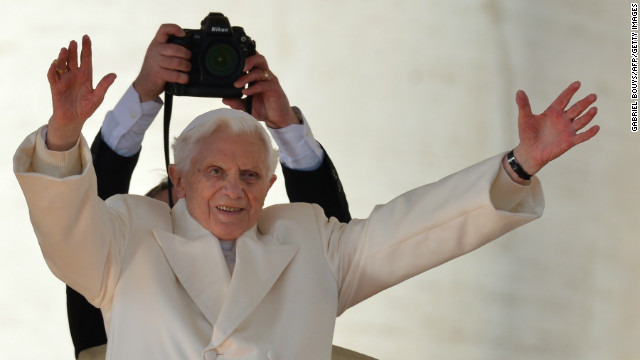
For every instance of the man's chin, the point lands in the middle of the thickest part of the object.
(228, 233)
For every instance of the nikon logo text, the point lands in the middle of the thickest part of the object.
(219, 29)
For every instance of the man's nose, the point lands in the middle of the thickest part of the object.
(233, 187)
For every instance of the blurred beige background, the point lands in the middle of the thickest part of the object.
(400, 93)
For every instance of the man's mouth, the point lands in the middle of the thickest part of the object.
(228, 208)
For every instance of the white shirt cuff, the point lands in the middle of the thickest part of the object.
(124, 126)
(299, 150)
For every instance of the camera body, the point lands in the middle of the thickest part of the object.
(218, 54)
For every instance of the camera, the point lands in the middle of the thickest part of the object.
(218, 54)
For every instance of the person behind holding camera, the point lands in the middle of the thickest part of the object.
(308, 171)
(159, 274)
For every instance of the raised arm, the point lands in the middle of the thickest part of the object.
(321, 186)
(318, 184)
(114, 167)
(435, 223)
(115, 153)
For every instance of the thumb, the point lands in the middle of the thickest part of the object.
(524, 106)
(102, 88)
(105, 83)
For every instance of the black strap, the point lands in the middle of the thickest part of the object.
(168, 105)
(517, 168)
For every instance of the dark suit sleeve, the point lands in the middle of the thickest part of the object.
(113, 172)
(321, 186)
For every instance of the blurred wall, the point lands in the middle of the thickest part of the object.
(400, 94)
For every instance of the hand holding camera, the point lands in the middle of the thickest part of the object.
(163, 62)
(216, 61)
(223, 62)
(269, 104)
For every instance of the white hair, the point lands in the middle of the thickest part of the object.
(237, 122)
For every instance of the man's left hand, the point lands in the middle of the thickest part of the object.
(546, 136)
(269, 104)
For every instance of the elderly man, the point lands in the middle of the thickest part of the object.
(308, 171)
(219, 277)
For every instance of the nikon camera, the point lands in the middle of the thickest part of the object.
(218, 54)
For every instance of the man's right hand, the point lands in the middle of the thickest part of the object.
(72, 93)
(163, 63)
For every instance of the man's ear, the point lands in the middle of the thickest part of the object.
(176, 179)
(271, 181)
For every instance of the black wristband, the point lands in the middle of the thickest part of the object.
(511, 159)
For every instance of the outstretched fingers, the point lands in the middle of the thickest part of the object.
(86, 54)
(73, 95)
(579, 107)
(585, 119)
(58, 63)
(51, 75)
(63, 58)
(72, 62)
(586, 135)
(565, 96)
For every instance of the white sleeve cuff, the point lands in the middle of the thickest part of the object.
(507, 195)
(299, 150)
(124, 126)
(58, 164)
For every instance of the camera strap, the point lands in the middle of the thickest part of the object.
(168, 105)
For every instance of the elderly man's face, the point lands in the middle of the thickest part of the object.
(226, 183)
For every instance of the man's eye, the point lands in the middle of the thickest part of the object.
(215, 171)
(251, 175)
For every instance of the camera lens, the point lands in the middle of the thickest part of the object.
(221, 60)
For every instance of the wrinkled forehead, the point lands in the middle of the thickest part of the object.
(234, 124)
